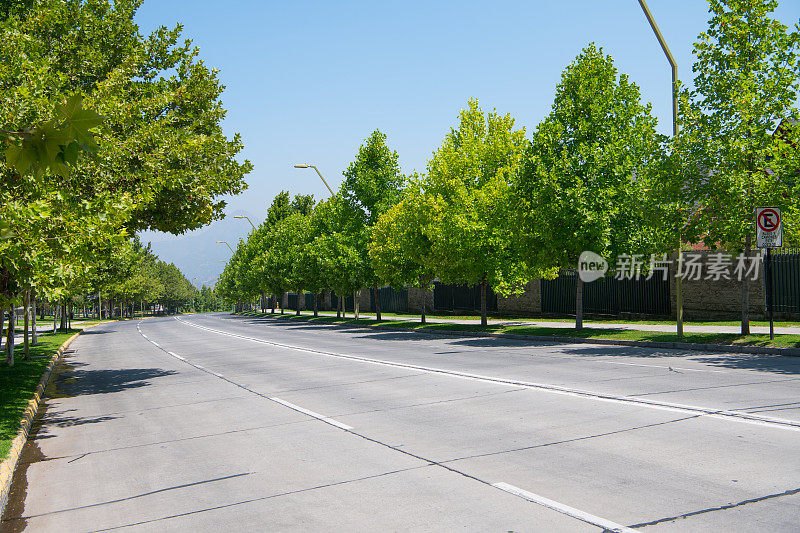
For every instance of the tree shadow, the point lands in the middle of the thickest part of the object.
(73, 382)
(779, 364)
(62, 420)
(495, 342)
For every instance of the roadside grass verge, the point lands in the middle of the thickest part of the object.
(18, 383)
(722, 339)
(509, 318)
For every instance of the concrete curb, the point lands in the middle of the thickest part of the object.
(721, 348)
(8, 466)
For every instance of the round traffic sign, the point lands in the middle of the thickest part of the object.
(769, 220)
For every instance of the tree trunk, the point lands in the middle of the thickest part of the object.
(282, 309)
(377, 297)
(424, 297)
(26, 309)
(274, 301)
(54, 308)
(356, 302)
(34, 336)
(316, 304)
(297, 312)
(578, 303)
(679, 294)
(10, 337)
(2, 325)
(263, 303)
(338, 306)
(746, 292)
(484, 321)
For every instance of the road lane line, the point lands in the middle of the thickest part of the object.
(312, 414)
(607, 525)
(720, 414)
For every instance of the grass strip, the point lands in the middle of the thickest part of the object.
(603, 320)
(722, 339)
(18, 383)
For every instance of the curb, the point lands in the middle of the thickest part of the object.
(8, 466)
(721, 348)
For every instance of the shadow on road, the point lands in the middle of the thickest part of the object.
(104, 381)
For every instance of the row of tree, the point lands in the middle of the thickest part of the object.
(104, 132)
(495, 208)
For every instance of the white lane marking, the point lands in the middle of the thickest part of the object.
(720, 414)
(312, 414)
(607, 525)
(176, 356)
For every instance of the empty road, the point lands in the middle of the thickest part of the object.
(207, 422)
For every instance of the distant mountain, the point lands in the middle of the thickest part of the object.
(197, 253)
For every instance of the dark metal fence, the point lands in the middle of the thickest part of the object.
(392, 300)
(451, 298)
(786, 276)
(607, 296)
(348, 302)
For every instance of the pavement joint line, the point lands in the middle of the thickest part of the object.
(311, 413)
(720, 414)
(583, 516)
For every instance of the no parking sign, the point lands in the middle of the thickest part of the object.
(769, 227)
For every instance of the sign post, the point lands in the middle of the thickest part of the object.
(770, 235)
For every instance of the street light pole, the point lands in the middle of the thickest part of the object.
(226, 244)
(246, 217)
(674, 67)
(304, 165)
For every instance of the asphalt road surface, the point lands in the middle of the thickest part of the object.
(213, 422)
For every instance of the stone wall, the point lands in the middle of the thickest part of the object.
(527, 303)
(709, 298)
(415, 299)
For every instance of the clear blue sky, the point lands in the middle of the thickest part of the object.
(308, 81)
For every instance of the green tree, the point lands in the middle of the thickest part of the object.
(401, 246)
(587, 171)
(372, 184)
(748, 72)
(470, 175)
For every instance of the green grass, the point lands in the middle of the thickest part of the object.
(724, 339)
(18, 383)
(603, 320)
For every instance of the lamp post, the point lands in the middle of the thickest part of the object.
(674, 67)
(245, 217)
(226, 244)
(304, 165)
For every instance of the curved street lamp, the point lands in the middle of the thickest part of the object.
(674, 67)
(305, 165)
(226, 244)
(246, 217)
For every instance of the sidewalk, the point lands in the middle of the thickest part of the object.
(644, 326)
(46, 327)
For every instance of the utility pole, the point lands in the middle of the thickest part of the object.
(674, 66)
